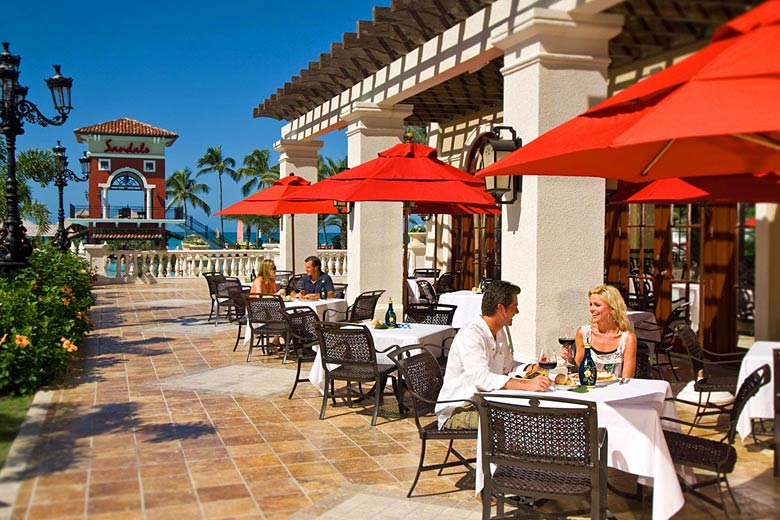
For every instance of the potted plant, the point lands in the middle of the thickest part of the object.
(194, 242)
(418, 233)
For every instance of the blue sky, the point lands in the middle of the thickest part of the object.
(193, 67)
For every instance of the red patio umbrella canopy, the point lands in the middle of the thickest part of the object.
(272, 201)
(407, 172)
(723, 189)
(713, 113)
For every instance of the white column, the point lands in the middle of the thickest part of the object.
(375, 229)
(298, 158)
(148, 203)
(767, 290)
(555, 67)
(104, 202)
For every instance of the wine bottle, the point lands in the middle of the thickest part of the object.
(253, 275)
(483, 282)
(587, 371)
(390, 315)
(323, 291)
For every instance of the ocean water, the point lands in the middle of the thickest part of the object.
(230, 237)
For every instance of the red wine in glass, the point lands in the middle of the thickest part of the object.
(548, 365)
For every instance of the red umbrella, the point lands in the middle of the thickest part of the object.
(407, 172)
(713, 113)
(723, 189)
(272, 201)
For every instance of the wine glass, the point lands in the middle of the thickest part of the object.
(548, 359)
(566, 339)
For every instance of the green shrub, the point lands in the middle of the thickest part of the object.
(43, 316)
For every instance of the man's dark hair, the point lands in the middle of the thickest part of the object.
(315, 262)
(498, 292)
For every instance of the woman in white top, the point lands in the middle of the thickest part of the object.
(610, 334)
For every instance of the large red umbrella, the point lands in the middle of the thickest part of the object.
(722, 189)
(407, 173)
(273, 201)
(714, 113)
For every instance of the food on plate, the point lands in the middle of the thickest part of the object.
(378, 324)
(600, 376)
(532, 375)
(564, 380)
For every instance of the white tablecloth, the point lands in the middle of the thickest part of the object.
(631, 414)
(383, 338)
(318, 306)
(762, 404)
(469, 306)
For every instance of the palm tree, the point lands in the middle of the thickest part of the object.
(325, 168)
(29, 163)
(182, 188)
(213, 161)
(419, 133)
(260, 176)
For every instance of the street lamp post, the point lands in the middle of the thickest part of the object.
(14, 111)
(61, 240)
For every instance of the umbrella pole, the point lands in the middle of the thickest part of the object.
(435, 249)
(406, 255)
(292, 235)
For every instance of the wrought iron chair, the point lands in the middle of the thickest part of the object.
(430, 313)
(717, 456)
(666, 330)
(422, 379)
(211, 280)
(713, 372)
(266, 319)
(340, 290)
(362, 309)
(776, 447)
(644, 365)
(224, 298)
(447, 282)
(351, 347)
(541, 451)
(293, 281)
(303, 338)
(428, 272)
(427, 293)
(282, 278)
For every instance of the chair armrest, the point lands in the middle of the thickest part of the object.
(714, 427)
(328, 312)
(388, 349)
(724, 355)
(726, 362)
(602, 437)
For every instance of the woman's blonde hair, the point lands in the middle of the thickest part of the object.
(612, 297)
(265, 270)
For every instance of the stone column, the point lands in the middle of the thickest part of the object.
(148, 203)
(104, 202)
(767, 289)
(298, 158)
(555, 67)
(375, 229)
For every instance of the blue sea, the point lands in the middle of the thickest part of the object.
(230, 237)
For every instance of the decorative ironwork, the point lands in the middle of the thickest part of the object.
(126, 182)
(15, 248)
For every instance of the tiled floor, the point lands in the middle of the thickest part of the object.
(161, 419)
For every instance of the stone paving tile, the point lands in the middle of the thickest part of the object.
(160, 419)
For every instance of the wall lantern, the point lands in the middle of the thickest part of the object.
(493, 149)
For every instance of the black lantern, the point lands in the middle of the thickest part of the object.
(493, 149)
(342, 207)
(15, 109)
(61, 240)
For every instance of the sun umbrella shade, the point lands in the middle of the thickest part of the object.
(713, 113)
(407, 172)
(272, 201)
(724, 189)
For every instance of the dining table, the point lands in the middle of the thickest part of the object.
(761, 405)
(469, 306)
(631, 413)
(404, 335)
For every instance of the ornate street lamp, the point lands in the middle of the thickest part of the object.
(61, 240)
(493, 148)
(14, 110)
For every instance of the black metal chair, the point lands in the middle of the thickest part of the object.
(351, 347)
(282, 278)
(717, 456)
(427, 293)
(776, 447)
(447, 282)
(712, 372)
(430, 313)
(541, 451)
(303, 337)
(211, 280)
(293, 281)
(340, 290)
(267, 319)
(428, 272)
(362, 309)
(644, 365)
(422, 379)
(224, 298)
(665, 345)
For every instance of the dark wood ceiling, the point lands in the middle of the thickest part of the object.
(652, 28)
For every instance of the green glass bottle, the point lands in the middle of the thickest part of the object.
(587, 371)
(390, 319)
(323, 291)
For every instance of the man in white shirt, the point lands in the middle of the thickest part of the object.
(479, 359)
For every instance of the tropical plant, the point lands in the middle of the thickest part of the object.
(419, 133)
(29, 163)
(327, 167)
(182, 188)
(214, 162)
(259, 175)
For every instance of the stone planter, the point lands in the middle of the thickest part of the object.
(418, 236)
(194, 247)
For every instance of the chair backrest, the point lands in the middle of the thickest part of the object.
(644, 366)
(427, 272)
(226, 287)
(422, 376)
(340, 290)
(430, 313)
(447, 282)
(293, 281)
(347, 344)
(364, 306)
(749, 387)
(211, 281)
(561, 436)
(426, 291)
(302, 320)
(690, 340)
(282, 278)
(266, 308)
(676, 316)
(776, 371)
